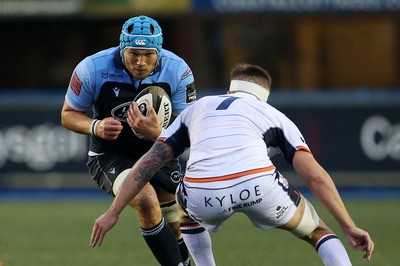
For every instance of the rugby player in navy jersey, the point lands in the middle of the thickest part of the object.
(106, 83)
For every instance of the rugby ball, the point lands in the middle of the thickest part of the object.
(158, 98)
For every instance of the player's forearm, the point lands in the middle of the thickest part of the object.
(141, 173)
(75, 120)
(131, 187)
(134, 182)
(328, 195)
(321, 185)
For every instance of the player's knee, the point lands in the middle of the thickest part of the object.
(308, 223)
(185, 219)
(119, 180)
(170, 211)
(147, 196)
(146, 199)
(175, 227)
(318, 233)
(146, 203)
(147, 207)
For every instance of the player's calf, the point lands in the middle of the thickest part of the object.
(170, 211)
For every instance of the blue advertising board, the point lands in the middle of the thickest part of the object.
(343, 134)
(351, 138)
(32, 138)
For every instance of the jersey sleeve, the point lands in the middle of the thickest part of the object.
(185, 92)
(284, 138)
(176, 135)
(80, 95)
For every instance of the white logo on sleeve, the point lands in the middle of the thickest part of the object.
(116, 91)
(112, 171)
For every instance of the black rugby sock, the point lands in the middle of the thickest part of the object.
(184, 252)
(162, 242)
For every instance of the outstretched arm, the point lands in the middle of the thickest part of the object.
(137, 178)
(322, 186)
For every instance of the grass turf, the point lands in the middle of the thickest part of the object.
(57, 233)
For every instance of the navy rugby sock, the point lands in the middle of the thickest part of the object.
(184, 252)
(162, 242)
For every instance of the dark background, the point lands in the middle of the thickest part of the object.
(335, 45)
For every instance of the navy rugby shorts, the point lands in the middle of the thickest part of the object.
(105, 168)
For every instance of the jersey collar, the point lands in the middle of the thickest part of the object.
(244, 95)
(118, 59)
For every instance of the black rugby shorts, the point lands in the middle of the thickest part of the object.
(105, 168)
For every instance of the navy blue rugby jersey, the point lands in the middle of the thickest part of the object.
(100, 82)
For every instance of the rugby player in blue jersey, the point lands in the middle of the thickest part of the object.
(106, 83)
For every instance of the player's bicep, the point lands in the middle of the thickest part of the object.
(161, 153)
(80, 95)
(183, 97)
(306, 166)
(184, 94)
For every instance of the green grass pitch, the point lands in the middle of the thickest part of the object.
(57, 233)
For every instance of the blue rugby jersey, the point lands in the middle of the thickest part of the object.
(100, 82)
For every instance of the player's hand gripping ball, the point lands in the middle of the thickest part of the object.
(158, 98)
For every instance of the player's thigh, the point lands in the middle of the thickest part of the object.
(276, 203)
(321, 230)
(166, 180)
(306, 223)
(106, 168)
(165, 196)
(145, 201)
(165, 183)
(202, 206)
(147, 207)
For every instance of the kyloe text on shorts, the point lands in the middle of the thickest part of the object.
(230, 199)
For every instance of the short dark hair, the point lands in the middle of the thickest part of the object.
(252, 73)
